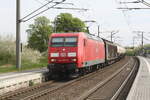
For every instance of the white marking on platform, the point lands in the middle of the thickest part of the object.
(141, 87)
(148, 65)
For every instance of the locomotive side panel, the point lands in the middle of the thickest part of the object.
(94, 52)
(80, 50)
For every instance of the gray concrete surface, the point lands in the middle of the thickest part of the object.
(141, 86)
(15, 80)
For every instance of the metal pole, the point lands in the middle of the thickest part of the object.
(142, 44)
(111, 36)
(54, 26)
(133, 42)
(18, 53)
(98, 30)
(88, 30)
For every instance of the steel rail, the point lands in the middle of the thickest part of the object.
(46, 91)
(91, 91)
(124, 83)
(19, 92)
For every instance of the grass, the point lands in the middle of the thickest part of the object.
(31, 59)
(7, 69)
(26, 66)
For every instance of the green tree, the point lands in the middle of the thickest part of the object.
(65, 22)
(38, 34)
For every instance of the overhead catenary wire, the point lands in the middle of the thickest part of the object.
(130, 2)
(126, 15)
(39, 2)
(37, 9)
(24, 19)
(42, 11)
(136, 8)
(53, 7)
(52, 2)
(145, 3)
(146, 39)
(64, 3)
(18, 28)
(142, 37)
(70, 8)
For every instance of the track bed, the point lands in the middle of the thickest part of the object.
(77, 88)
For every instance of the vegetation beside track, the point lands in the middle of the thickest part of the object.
(30, 58)
(138, 50)
(34, 54)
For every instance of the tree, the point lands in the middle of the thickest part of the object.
(65, 22)
(38, 34)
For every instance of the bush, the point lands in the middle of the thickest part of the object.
(130, 53)
(31, 56)
(8, 53)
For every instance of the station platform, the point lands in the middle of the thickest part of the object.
(140, 89)
(15, 80)
(21, 73)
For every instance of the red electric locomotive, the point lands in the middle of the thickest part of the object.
(74, 53)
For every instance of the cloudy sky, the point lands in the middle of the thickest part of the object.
(104, 12)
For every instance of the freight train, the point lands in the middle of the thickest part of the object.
(74, 54)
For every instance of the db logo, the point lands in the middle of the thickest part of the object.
(63, 54)
(63, 49)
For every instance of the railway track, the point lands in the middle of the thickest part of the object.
(12, 95)
(52, 87)
(124, 89)
(120, 93)
(76, 91)
(72, 91)
(21, 91)
(43, 89)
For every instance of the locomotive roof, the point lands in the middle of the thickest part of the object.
(69, 33)
(92, 36)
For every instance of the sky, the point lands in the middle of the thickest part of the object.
(104, 12)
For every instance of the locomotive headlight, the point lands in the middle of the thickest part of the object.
(72, 54)
(54, 54)
(52, 60)
(74, 59)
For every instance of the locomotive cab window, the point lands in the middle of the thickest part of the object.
(64, 42)
(70, 42)
(57, 42)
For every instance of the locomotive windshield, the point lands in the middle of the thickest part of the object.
(64, 42)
